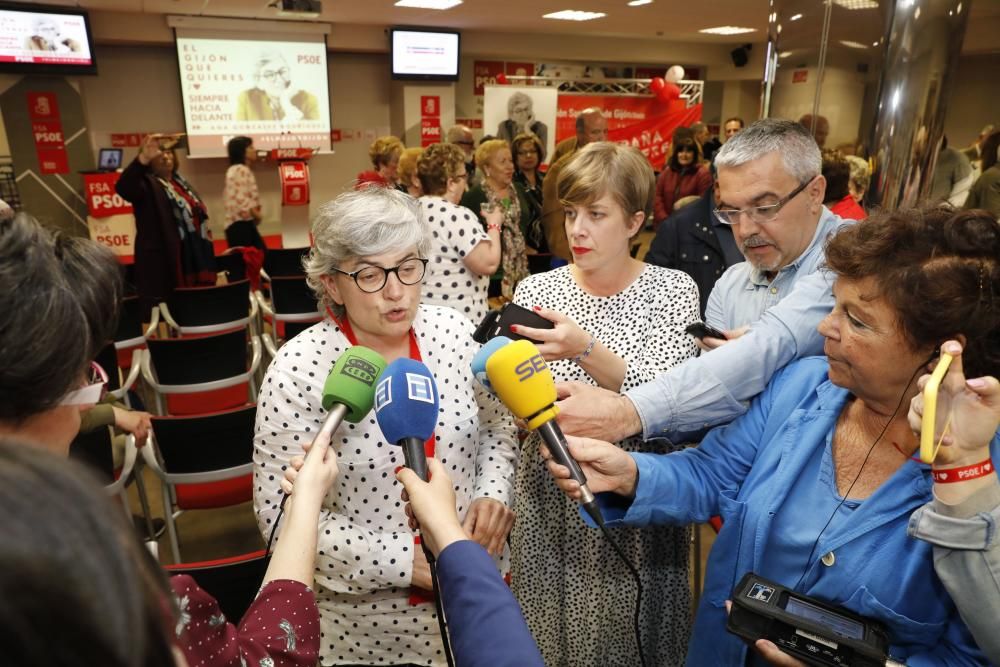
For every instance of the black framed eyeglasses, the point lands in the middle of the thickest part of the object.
(758, 214)
(371, 279)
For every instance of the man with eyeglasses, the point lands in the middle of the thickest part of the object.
(274, 97)
(770, 192)
(461, 136)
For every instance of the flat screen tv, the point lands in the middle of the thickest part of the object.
(38, 39)
(424, 54)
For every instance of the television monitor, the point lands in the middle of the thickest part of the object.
(45, 40)
(424, 55)
(109, 159)
(271, 87)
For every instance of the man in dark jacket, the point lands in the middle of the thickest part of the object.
(693, 241)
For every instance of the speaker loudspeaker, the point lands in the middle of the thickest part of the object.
(740, 55)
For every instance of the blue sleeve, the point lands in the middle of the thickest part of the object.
(955, 649)
(708, 390)
(484, 620)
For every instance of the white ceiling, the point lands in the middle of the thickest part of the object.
(675, 20)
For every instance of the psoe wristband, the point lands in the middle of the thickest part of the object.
(965, 473)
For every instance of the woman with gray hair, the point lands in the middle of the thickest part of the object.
(520, 119)
(372, 582)
(273, 97)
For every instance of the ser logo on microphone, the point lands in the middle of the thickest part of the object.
(528, 368)
(360, 370)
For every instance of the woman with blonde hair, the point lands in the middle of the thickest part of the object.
(406, 172)
(384, 154)
(618, 322)
(498, 191)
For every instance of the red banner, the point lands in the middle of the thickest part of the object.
(126, 140)
(430, 106)
(430, 131)
(50, 146)
(294, 183)
(644, 122)
(485, 72)
(102, 200)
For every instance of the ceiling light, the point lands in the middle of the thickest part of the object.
(784, 54)
(574, 15)
(857, 4)
(727, 30)
(428, 4)
(853, 45)
(795, 17)
(640, 3)
(874, 43)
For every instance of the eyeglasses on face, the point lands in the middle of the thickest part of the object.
(371, 279)
(91, 392)
(758, 214)
(525, 152)
(271, 75)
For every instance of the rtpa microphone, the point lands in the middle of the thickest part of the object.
(350, 388)
(406, 408)
(524, 383)
(479, 361)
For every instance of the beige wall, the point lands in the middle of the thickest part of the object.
(973, 102)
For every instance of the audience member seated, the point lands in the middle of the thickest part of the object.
(406, 173)
(985, 192)
(464, 254)
(618, 322)
(173, 245)
(682, 175)
(498, 191)
(816, 482)
(838, 198)
(961, 520)
(384, 154)
(366, 264)
(696, 242)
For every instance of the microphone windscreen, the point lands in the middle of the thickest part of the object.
(406, 401)
(521, 379)
(352, 382)
(479, 361)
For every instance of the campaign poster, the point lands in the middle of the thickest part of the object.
(510, 110)
(43, 38)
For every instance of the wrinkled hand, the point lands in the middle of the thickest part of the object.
(308, 477)
(769, 650)
(430, 506)
(292, 112)
(594, 412)
(565, 341)
(975, 410)
(488, 522)
(137, 423)
(606, 467)
(710, 343)
(149, 149)
(492, 214)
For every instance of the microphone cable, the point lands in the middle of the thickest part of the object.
(638, 585)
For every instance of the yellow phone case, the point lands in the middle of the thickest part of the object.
(928, 423)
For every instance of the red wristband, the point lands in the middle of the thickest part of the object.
(949, 475)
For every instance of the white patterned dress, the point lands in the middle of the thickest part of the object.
(577, 596)
(365, 545)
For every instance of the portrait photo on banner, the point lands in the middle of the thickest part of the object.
(510, 110)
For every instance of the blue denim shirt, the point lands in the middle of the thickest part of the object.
(744, 472)
(710, 389)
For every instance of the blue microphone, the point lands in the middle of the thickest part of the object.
(406, 408)
(479, 361)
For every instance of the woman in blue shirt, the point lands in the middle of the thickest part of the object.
(817, 481)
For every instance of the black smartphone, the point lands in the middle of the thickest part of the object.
(701, 330)
(498, 322)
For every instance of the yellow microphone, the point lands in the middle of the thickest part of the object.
(523, 381)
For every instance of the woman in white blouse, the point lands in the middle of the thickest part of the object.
(366, 265)
(241, 197)
(463, 255)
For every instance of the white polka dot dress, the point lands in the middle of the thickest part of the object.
(448, 282)
(365, 557)
(577, 596)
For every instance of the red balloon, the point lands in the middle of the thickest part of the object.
(668, 92)
(657, 84)
(502, 79)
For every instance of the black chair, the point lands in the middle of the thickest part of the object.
(108, 359)
(207, 462)
(293, 308)
(204, 374)
(233, 581)
(193, 311)
(94, 450)
(280, 262)
(232, 264)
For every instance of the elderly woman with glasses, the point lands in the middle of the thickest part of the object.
(274, 96)
(370, 251)
(682, 176)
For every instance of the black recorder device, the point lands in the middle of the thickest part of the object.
(812, 631)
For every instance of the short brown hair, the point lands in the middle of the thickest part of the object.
(384, 149)
(437, 164)
(603, 167)
(837, 172)
(525, 137)
(408, 165)
(938, 269)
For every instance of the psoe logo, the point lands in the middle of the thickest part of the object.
(360, 370)
(530, 367)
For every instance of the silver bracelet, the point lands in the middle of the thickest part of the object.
(586, 353)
